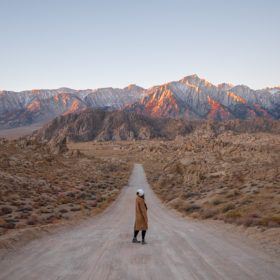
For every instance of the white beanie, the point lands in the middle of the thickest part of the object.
(140, 192)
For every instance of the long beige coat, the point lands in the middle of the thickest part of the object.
(141, 217)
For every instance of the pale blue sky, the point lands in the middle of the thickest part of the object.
(90, 44)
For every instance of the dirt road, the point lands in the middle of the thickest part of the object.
(101, 248)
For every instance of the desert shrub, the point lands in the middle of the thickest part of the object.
(6, 210)
(176, 203)
(102, 198)
(246, 201)
(169, 195)
(32, 220)
(10, 225)
(271, 221)
(216, 201)
(228, 207)
(233, 214)
(187, 195)
(233, 193)
(195, 215)
(208, 213)
(61, 200)
(178, 169)
(75, 208)
(250, 221)
(189, 208)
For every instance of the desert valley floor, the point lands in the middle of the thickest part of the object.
(213, 207)
(177, 248)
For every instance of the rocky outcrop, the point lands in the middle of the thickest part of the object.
(58, 145)
(102, 125)
(231, 176)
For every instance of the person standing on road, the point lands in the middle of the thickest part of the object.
(141, 217)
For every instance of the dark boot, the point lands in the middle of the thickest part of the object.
(134, 240)
(143, 237)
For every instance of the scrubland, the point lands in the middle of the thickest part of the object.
(39, 187)
(231, 176)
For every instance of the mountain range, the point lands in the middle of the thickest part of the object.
(39, 106)
(196, 98)
(191, 98)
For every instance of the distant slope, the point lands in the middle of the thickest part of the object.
(111, 125)
(15, 133)
(103, 125)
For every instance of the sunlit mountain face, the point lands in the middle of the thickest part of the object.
(191, 98)
(28, 107)
(196, 98)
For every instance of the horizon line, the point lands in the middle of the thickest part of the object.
(135, 84)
